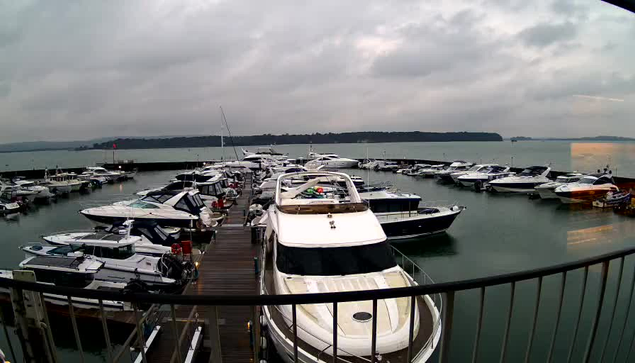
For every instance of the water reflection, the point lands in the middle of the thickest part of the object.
(589, 157)
(441, 244)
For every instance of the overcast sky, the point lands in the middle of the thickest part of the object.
(72, 71)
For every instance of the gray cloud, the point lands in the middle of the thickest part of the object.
(545, 34)
(82, 70)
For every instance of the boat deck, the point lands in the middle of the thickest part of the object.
(226, 268)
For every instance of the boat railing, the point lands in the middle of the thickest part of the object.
(588, 302)
(421, 278)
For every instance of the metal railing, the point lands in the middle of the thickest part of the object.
(613, 345)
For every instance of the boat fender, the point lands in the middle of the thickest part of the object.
(263, 321)
(263, 342)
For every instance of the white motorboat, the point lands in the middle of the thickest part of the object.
(525, 182)
(345, 250)
(9, 207)
(331, 161)
(121, 263)
(478, 168)
(62, 183)
(76, 272)
(39, 192)
(254, 162)
(16, 193)
(415, 169)
(100, 172)
(588, 189)
(174, 209)
(455, 167)
(389, 166)
(547, 190)
(148, 238)
(431, 171)
(210, 192)
(479, 179)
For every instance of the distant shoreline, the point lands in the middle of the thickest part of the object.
(299, 139)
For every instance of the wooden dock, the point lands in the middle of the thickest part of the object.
(226, 268)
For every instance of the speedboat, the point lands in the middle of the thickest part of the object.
(588, 189)
(525, 182)
(389, 166)
(547, 190)
(98, 172)
(40, 192)
(414, 170)
(346, 250)
(76, 272)
(430, 171)
(613, 199)
(477, 180)
(478, 168)
(9, 207)
(148, 237)
(121, 262)
(16, 193)
(173, 209)
(401, 218)
(456, 166)
(210, 192)
(331, 161)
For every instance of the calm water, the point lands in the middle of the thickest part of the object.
(496, 234)
(561, 155)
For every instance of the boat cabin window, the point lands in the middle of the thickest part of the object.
(393, 205)
(157, 198)
(143, 205)
(118, 253)
(588, 180)
(533, 171)
(334, 261)
(603, 180)
(60, 278)
(190, 203)
(496, 169)
(179, 185)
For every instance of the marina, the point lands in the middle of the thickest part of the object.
(529, 234)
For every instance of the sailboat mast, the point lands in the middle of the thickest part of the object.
(222, 141)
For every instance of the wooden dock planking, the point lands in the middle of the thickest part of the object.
(226, 268)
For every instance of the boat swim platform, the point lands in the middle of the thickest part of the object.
(226, 268)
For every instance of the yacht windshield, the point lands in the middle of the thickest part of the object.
(142, 204)
(587, 180)
(532, 171)
(334, 261)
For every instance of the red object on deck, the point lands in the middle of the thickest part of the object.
(187, 247)
(221, 204)
(176, 248)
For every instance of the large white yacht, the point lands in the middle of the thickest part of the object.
(588, 189)
(525, 182)
(331, 161)
(548, 190)
(455, 167)
(345, 250)
(167, 208)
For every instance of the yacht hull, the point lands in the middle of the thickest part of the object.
(514, 187)
(547, 193)
(401, 226)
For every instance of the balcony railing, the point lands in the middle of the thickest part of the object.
(587, 308)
